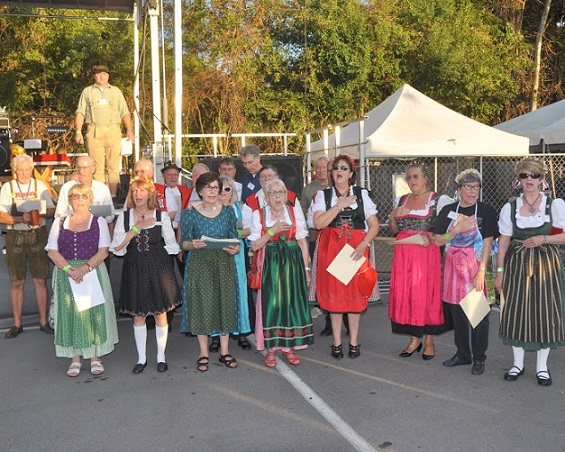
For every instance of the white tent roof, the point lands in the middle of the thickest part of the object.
(546, 123)
(409, 124)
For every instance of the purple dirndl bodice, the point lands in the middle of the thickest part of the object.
(79, 245)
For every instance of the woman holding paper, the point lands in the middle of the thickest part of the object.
(228, 197)
(530, 271)
(415, 306)
(283, 320)
(148, 286)
(77, 245)
(210, 287)
(466, 228)
(347, 216)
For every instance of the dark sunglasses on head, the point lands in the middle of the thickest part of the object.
(342, 167)
(531, 176)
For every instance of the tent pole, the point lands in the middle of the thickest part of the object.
(362, 152)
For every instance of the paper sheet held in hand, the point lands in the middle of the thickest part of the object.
(88, 293)
(475, 306)
(343, 267)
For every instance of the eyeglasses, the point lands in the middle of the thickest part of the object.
(468, 187)
(250, 162)
(340, 167)
(277, 192)
(211, 189)
(531, 176)
(227, 189)
(83, 196)
(414, 176)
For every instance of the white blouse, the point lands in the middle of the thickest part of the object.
(167, 232)
(103, 241)
(256, 227)
(557, 213)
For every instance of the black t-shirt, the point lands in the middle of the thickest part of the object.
(487, 218)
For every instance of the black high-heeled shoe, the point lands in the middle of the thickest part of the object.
(337, 351)
(406, 354)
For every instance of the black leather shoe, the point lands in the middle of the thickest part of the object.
(214, 345)
(46, 329)
(243, 343)
(337, 352)
(478, 368)
(406, 354)
(512, 375)
(138, 368)
(14, 332)
(354, 351)
(455, 361)
(544, 381)
(162, 367)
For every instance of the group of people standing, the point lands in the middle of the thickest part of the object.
(212, 232)
(424, 297)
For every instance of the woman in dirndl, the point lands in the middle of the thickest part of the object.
(530, 272)
(283, 320)
(466, 228)
(148, 287)
(78, 245)
(347, 215)
(415, 306)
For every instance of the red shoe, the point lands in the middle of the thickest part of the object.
(271, 359)
(292, 358)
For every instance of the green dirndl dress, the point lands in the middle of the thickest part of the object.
(285, 314)
(534, 278)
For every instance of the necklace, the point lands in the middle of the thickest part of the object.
(420, 195)
(209, 209)
(532, 209)
(141, 214)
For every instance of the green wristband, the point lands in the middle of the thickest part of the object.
(78, 132)
(135, 229)
(447, 236)
(66, 268)
(271, 233)
(239, 234)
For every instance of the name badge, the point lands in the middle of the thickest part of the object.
(103, 101)
(251, 185)
(453, 215)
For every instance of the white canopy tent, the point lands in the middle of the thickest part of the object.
(546, 123)
(409, 124)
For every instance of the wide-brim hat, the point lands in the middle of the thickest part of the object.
(170, 165)
(100, 68)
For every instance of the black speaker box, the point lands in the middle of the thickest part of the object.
(289, 168)
(5, 152)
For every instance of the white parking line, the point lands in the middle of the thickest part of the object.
(343, 428)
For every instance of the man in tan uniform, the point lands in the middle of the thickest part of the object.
(103, 108)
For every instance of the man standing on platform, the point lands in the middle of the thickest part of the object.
(26, 239)
(103, 108)
(252, 161)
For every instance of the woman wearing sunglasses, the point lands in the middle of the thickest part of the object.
(530, 272)
(415, 306)
(466, 228)
(228, 197)
(347, 215)
(78, 245)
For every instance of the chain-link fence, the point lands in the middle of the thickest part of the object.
(385, 179)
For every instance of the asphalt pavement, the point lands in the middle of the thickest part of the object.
(376, 402)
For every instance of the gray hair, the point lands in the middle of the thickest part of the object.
(250, 149)
(226, 180)
(469, 178)
(201, 166)
(22, 158)
(273, 182)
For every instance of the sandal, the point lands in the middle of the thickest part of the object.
(74, 369)
(96, 367)
(271, 359)
(228, 360)
(202, 363)
(291, 357)
(243, 343)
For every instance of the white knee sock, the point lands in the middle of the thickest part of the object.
(518, 353)
(161, 333)
(140, 335)
(541, 360)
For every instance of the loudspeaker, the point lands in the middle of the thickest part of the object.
(5, 169)
(289, 168)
